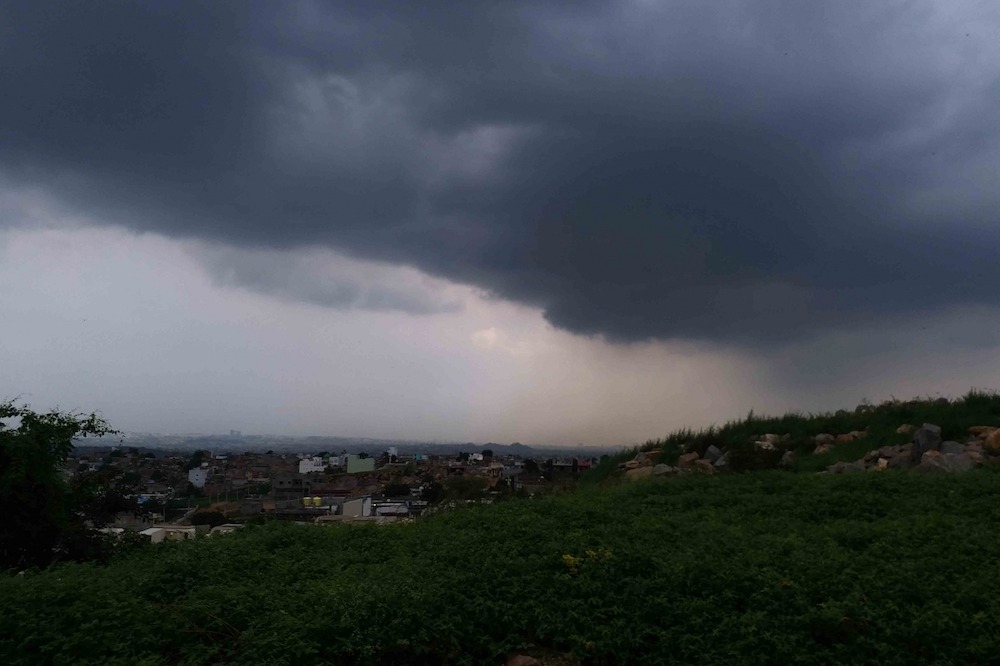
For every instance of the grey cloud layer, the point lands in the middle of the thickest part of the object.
(327, 280)
(740, 171)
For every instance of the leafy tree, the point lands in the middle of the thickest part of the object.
(47, 519)
(432, 492)
(465, 487)
(197, 458)
(397, 490)
(212, 518)
(530, 466)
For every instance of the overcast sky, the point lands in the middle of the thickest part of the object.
(547, 222)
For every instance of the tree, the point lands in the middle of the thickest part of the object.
(197, 458)
(48, 519)
(211, 518)
(432, 492)
(397, 490)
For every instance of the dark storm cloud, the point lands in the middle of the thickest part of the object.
(742, 171)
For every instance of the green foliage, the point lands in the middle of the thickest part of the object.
(397, 490)
(752, 569)
(211, 518)
(465, 488)
(196, 459)
(46, 518)
(433, 491)
(879, 421)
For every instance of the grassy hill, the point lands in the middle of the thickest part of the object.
(769, 567)
(879, 422)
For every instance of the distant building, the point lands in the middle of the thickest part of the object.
(357, 464)
(199, 476)
(288, 488)
(311, 465)
(357, 508)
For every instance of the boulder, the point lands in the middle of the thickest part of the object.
(900, 462)
(935, 462)
(787, 459)
(992, 442)
(822, 448)
(889, 451)
(981, 431)
(640, 458)
(871, 456)
(952, 447)
(843, 467)
(927, 438)
(880, 465)
(976, 457)
(763, 445)
(687, 459)
(846, 438)
(523, 660)
(712, 453)
(631, 464)
(824, 438)
(722, 462)
(771, 437)
(662, 469)
(639, 473)
(703, 466)
(906, 429)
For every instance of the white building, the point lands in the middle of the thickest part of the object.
(199, 475)
(310, 465)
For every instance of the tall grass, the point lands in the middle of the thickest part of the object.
(977, 407)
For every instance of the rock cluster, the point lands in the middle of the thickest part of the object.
(644, 465)
(926, 452)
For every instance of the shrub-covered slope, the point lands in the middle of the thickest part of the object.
(759, 568)
(878, 422)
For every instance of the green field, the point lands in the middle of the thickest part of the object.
(763, 568)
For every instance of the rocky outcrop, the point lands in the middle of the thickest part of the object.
(935, 462)
(952, 447)
(925, 453)
(639, 473)
(991, 442)
(927, 438)
(712, 454)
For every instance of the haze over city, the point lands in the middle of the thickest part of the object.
(553, 223)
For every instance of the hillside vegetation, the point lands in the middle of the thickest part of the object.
(878, 422)
(769, 567)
